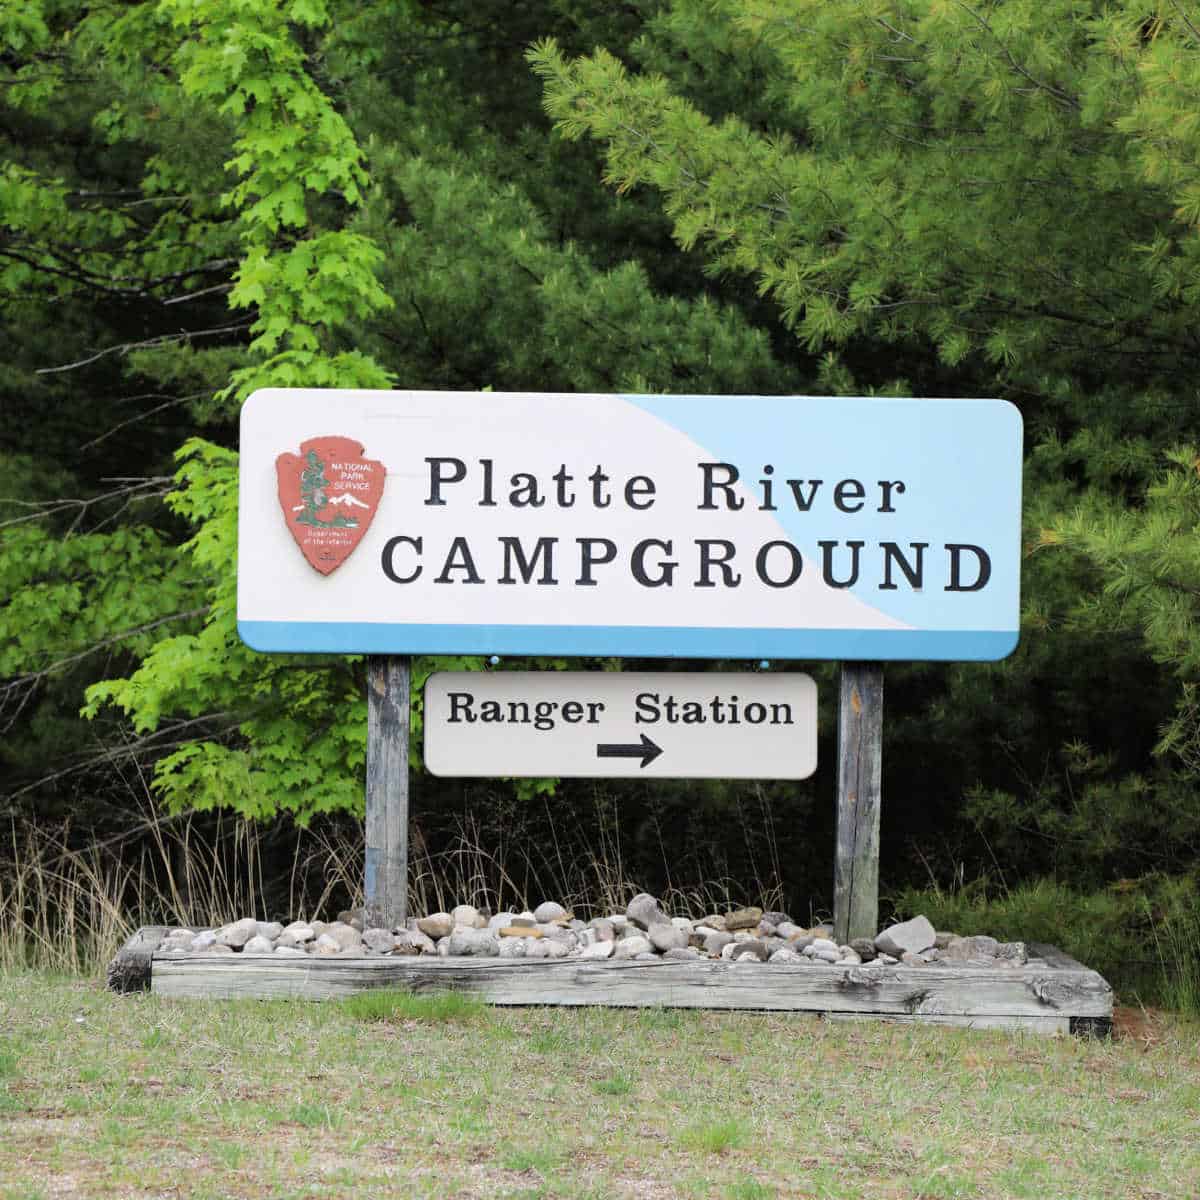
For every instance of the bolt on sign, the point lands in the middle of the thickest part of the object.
(652, 526)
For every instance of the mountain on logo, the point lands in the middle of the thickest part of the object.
(346, 498)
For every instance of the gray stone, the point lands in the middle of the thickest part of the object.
(728, 949)
(466, 915)
(911, 936)
(326, 944)
(525, 919)
(500, 921)
(632, 945)
(292, 938)
(598, 950)
(1015, 953)
(829, 956)
(352, 917)
(863, 947)
(423, 942)
(514, 947)
(204, 939)
(787, 929)
(379, 941)
(667, 937)
(681, 954)
(603, 928)
(713, 921)
(849, 958)
(716, 942)
(436, 925)
(682, 923)
(477, 943)
(258, 945)
(556, 949)
(237, 934)
(776, 918)
(961, 949)
(548, 911)
(537, 948)
(819, 944)
(269, 930)
(785, 954)
(802, 941)
(217, 948)
(751, 949)
(406, 943)
(346, 936)
(644, 911)
(887, 960)
(743, 918)
(289, 952)
(942, 939)
(620, 922)
(909, 959)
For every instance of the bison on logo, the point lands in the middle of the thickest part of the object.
(329, 493)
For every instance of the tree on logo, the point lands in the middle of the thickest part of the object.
(312, 491)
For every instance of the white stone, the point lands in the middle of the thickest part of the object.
(258, 945)
(911, 936)
(548, 911)
(238, 933)
(598, 950)
(635, 944)
(466, 915)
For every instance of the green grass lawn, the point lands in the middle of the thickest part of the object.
(103, 1095)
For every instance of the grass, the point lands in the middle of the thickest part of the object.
(149, 1097)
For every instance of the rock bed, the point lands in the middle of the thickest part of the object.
(643, 933)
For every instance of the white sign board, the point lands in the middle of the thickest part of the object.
(661, 724)
(784, 527)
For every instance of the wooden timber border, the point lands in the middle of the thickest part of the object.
(1051, 994)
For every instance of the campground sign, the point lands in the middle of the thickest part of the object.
(649, 526)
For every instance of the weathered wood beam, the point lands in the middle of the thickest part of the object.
(860, 765)
(385, 883)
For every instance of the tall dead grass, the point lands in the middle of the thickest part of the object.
(67, 903)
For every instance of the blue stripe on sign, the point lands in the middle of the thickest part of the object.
(628, 641)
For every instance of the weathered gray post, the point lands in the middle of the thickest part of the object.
(860, 761)
(385, 888)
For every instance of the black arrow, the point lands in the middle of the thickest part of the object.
(647, 751)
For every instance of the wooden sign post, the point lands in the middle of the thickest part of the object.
(860, 762)
(385, 882)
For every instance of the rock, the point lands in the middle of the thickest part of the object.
(555, 949)
(521, 931)
(961, 949)
(713, 921)
(352, 917)
(620, 922)
(776, 918)
(217, 948)
(424, 943)
(682, 923)
(525, 919)
(289, 952)
(666, 937)
(513, 947)
(788, 929)
(819, 944)
(887, 960)
(743, 918)
(236, 935)
(728, 949)
(635, 944)
(603, 928)
(644, 910)
(325, 945)
(829, 956)
(824, 930)
(751, 949)
(346, 936)
(863, 947)
(204, 939)
(379, 941)
(911, 936)
(405, 942)
(1015, 953)
(848, 957)
(785, 954)
(941, 939)
(598, 950)
(269, 930)
(802, 941)
(681, 954)
(548, 911)
(909, 959)
(477, 943)
(291, 938)
(716, 942)
(466, 915)
(774, 943)
(535, 948)
(500, 921)
(258, 945)
(436, 925)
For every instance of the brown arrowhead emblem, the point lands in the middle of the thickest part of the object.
(329, 494)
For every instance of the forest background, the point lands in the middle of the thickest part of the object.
(892, 197)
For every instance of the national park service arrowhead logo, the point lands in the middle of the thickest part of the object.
(329, 494)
